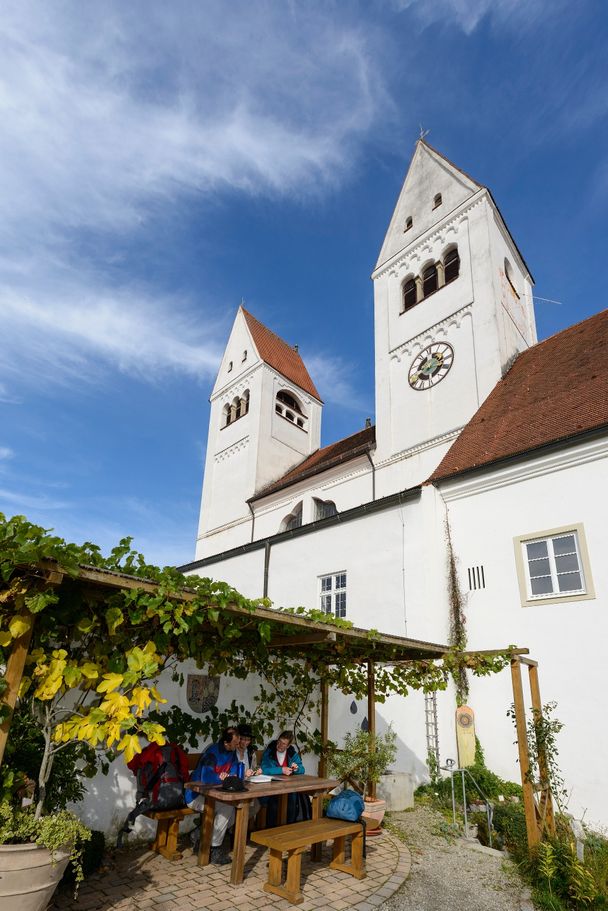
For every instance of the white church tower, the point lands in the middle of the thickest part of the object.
(265, 418)
(453, 308)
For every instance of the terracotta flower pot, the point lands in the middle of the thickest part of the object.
(28, 877)
(373, 814)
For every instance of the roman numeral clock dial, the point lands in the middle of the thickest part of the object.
(430, 366)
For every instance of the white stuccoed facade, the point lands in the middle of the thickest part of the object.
(389, 536)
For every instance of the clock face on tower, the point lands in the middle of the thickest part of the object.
(431, 365)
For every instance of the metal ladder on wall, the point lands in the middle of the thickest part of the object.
(432, 729)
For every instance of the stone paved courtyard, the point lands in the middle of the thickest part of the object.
(141, 880)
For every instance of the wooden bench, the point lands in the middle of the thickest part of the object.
(167, 823)
(299, 836)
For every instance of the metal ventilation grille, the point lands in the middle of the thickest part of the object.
(477, 578)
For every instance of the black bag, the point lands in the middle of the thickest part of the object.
(303, 807)
(233, 783)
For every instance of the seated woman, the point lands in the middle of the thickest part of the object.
(281, 758)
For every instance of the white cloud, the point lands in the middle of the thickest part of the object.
(113, 115)
(6, 453)
(467, 14)
(333, 377)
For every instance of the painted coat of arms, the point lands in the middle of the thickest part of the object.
(202, 692)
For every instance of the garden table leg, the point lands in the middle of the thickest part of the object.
(317, 807)
(204, 848)
(240, 841)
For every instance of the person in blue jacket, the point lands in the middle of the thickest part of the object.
(281, 758)
(216, 763)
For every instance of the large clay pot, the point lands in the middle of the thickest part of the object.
(28, 877)
(373, 814)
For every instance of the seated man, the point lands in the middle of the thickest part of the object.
(217, 762)
(281, 758)
(245, 753)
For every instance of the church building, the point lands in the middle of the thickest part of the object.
(489, 448)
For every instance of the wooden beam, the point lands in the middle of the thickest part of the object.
(371, 718)
(490, 653)
(547, 815)
(13, 675)
(524, 758)
(324, 728)
(529, 661)
(305, 639)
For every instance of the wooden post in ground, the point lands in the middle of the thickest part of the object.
(546, 809)
(524, 759)
(324, 728)
(371, 718)
(13, 675)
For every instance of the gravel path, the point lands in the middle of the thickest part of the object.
(449, 874)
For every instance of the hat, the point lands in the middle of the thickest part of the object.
(233, 783)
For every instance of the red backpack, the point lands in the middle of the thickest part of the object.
(161, 774)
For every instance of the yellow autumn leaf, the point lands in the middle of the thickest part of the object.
(141, 699)
(156, 695)
(60, 654)
(110, 682)
(5, 638)
(116, 705)
(89, 670)
(155, 734)
(19, 625)
(24, 686)
(113, 732)
(131, 745)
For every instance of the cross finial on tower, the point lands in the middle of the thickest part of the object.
(242, 301)
(423, 132)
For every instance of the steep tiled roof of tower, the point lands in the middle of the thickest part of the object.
(451, 163)
(554, 391)
(328, 457)
(279, 355)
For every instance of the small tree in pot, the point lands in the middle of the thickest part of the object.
(363, 759)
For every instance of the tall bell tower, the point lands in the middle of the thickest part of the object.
(265, 418)
(453, 308)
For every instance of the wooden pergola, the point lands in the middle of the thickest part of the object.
(289, 633)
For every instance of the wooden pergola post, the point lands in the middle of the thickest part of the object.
(524, 757)
(324, 728)
(371, 718)
(545, 811)
(14, 673)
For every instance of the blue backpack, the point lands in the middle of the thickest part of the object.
(346, 805)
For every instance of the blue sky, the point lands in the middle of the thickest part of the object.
(159, 162)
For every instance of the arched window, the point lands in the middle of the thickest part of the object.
(229, 366)
(409, 221)
(293, 520)
(451, 265)
(235, 409)
(511, 277)
(289, 407)
(324, 508)
(437, 200)
(408, 294)
(429, 280)
(244, 358)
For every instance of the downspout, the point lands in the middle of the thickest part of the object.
(266, 567)
(252, 519)
(369, 458)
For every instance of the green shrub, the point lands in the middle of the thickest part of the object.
(92, 857)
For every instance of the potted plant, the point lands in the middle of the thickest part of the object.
(360, 763)
(34, 853)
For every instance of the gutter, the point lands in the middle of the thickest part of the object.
(393, 499)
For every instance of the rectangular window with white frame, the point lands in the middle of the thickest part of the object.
(333, 594)
(553, 566)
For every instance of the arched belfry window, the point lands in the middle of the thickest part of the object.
(409, 221)
(293, 520)
(429, 280)
(451, 265)
(324, 508)
(235, 409)
(511, 277)
(290, 408)
(408, 294)
(437, 200)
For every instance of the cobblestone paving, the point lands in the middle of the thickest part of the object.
(142, 881)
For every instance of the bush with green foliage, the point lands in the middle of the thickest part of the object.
(364, 757)
(57, 832)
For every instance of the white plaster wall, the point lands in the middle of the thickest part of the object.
(568, 639)
(244, 572)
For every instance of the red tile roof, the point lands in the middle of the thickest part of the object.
(279, 355)
(554, 391)
(342, 451)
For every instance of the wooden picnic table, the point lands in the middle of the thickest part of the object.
(288, 784)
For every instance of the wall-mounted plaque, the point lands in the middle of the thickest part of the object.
(202, 692)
